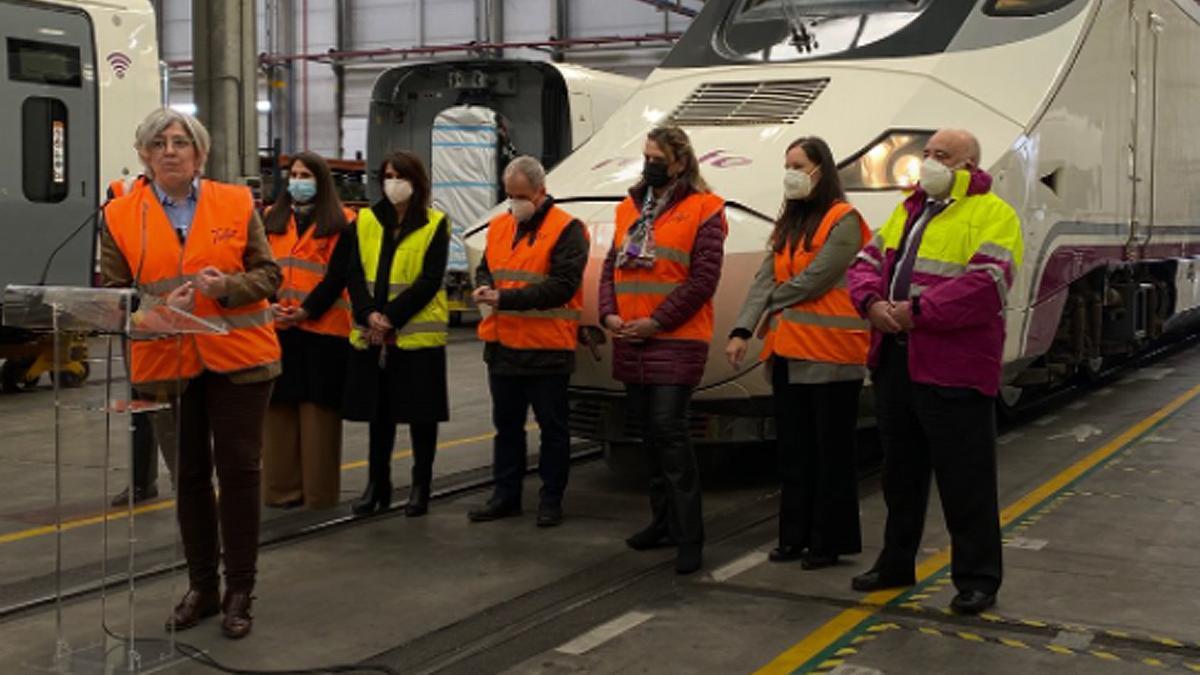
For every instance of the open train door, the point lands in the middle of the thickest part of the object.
(465, 170)
(466, 119)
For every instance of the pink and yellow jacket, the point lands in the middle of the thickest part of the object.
(967, 259)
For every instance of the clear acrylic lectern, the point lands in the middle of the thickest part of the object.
(111, 315)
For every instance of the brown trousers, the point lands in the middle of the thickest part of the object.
(221, 425)
(302, 455)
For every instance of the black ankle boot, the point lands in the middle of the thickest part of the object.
(376, 497)
(418, 500)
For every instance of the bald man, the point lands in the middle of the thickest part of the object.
(933, 284)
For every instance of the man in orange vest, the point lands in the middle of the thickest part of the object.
(531, 277)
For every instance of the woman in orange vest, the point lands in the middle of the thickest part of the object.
(656, 298)
(816, 352)
(302, 451)
(199, 246)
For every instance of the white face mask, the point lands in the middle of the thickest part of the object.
(797, 184)
(521, 209)
(936, 178)
(397, 190)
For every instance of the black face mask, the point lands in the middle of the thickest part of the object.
(655, 174)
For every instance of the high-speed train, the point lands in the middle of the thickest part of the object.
(1085, 110)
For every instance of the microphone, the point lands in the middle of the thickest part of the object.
(74, 233)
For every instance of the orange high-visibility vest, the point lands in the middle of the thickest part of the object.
(518, 266)
(640, 291)
(825, 329)
(117, 188)
(304, 262)
(160, 264)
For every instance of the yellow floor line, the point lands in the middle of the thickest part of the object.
(833, 630)
(170, 503)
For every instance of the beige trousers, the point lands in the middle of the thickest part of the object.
(302, 455)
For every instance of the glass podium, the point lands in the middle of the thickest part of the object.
(113, 316)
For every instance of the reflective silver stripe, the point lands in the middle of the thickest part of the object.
(995, 251)
(298, 263)
(424, 327)
(568, 314)
(262, 317)
(870, 260)
(163, 286)
(342, 303)
(938, 267)
(644, 288)
(997, 273)
(518, 275)
(825, 321)
(674, 255)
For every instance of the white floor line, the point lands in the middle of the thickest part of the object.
(603, 633)
(748, 561)
(1045, 421)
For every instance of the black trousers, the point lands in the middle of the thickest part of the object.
(674, 477)
(221, 427)
(951, 432)
(512, 397)
(381, 433)
(815, 426)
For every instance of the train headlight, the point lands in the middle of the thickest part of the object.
(891, 162)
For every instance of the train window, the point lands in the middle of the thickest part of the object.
(44, 149)
(1024, 7)
(44, 63)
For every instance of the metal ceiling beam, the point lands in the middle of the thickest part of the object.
(675, 6)
(649, 39)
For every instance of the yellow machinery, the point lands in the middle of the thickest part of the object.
(25, 362)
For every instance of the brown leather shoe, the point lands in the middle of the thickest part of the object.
(194, 608)
(237, 622)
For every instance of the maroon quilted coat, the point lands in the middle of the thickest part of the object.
(670, 361)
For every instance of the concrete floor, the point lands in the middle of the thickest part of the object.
(1099, 572)
(27, 472)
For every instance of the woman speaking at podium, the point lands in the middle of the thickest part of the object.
(199, 246)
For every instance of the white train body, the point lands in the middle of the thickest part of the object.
(1100, 165)
(77, 78)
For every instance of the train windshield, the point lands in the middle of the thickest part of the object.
(794, 30)
(782, 31)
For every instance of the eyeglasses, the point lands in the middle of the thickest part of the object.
(178, 144)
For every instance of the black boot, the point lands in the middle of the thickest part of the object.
(376, 497)
(418, 500)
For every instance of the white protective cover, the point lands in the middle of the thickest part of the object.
(463, 168)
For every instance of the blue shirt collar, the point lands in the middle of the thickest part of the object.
(193, 193)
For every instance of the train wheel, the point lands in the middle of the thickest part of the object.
(14, 375)
(1009, 401)
(72, 379)
(1093, 369)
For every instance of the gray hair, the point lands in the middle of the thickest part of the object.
(530, 168)
(157, 122)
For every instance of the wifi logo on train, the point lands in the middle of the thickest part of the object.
(120, 64)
